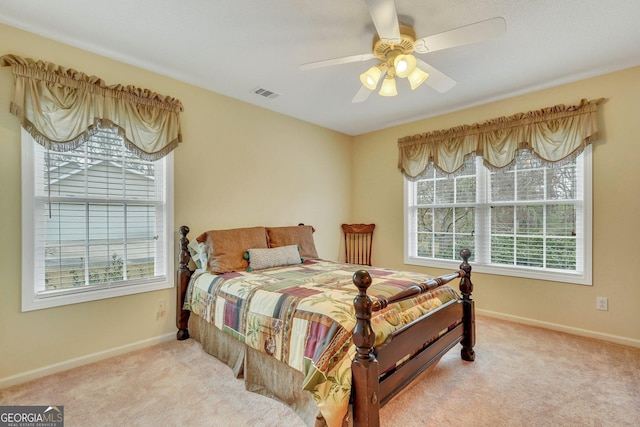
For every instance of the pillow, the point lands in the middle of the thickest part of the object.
(198, 252)
(301, 235)
(226, 248)
(273, 257)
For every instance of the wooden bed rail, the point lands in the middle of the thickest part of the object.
(415, 290)
(365, 367)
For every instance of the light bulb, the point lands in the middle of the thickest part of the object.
(401, 66)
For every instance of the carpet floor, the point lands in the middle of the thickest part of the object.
(522, 376)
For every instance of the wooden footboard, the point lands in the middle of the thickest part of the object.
(377, 376)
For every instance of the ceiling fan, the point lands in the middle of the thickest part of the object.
(395, 44)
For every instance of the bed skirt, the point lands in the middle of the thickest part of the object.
(262, 373)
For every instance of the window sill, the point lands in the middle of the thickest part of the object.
(523, 272)
(73, 296)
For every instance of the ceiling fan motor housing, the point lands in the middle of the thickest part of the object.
(386, 50)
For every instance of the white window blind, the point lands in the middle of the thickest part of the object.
(443, 213)
(100, 222)
(528, 220)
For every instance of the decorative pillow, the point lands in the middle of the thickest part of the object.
(300, 235)
(226, 248)
(273, 257)
(199, 255)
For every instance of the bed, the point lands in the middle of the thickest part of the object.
(333, 341)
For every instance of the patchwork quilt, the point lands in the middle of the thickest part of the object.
(303, 315)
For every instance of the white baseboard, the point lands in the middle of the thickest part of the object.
(83, 360)
(562, 328)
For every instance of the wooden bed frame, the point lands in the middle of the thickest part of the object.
(370, 390)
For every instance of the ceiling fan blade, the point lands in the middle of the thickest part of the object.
(472, 33)
(336, 61)
(362, 95)
(385, 19)
(437, 79)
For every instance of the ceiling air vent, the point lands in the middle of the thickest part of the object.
(266, 93)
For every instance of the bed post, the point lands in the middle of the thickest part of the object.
(366, 404)
(466, 288)
(183, 276)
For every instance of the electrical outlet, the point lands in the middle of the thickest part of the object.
(162, 308)
(602, 303)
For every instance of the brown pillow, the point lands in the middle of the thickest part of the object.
(226, 248)
(301, 235)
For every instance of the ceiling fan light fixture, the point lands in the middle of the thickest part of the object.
(371, 77)
(417, 77)
(388, 87)
(404, 65)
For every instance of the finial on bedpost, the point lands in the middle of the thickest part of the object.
(183, 276)
(466, 288)
(365, 365)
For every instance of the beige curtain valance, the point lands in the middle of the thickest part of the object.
(61, 107)
(553, 134)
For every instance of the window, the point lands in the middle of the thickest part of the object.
(97, 222)
(529, 220)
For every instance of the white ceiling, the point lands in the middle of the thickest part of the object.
(232, 47)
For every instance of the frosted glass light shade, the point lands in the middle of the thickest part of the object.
(404, 65)
(417, 77)
(371, 77)
(388, 87)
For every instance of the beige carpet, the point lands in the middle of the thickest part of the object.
(522, 376)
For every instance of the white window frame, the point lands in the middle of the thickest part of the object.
(482, 261)
(32, 298)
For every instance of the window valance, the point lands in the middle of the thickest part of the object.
(61, 108)
(553, 134)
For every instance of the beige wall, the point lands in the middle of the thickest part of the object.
(249, 166)
(246, 165)
(378, 197)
